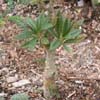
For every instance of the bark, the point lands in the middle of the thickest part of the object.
(50, 88)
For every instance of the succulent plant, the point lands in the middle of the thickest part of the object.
(20, 96)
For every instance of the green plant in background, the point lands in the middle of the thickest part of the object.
(27, 1)
(20, 96)
(50, 36)
(30, 1)
(2, 22)
(10, 4)
(2, 98)
(95, 2)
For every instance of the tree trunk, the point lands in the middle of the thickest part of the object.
(50, 88)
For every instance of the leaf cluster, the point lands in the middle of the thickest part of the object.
(49, 35)
(26, 2)
(20, 96)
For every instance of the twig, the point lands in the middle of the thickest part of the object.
(70, 95)
(81, 78)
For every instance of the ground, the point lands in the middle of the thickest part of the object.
(79, 71)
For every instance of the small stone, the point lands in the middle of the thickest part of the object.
(61, 82)
(94, 24)
(9, 15)
(4, 7)
(12, 72)
(5, 70)
(38, 83)
(46, 12)
(3, 95)
(78, 82)
(80, 3)
(12, 79)
(21, 83)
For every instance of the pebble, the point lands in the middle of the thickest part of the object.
(12, 79)
(21, 83)
(98, 28)
(80, 3)
(78, 82)
(4, 71)
(3, 95)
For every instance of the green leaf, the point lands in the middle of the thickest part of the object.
(19, 21)
(46, 26)
(52, 32)
(31, 24)
(21, 96)
(10, 4)
(34, 1)
(14, 18)
(77, 39)
(67, 48)
(43, 23)
(30, 44)
(66, 27)
(73, 34)
(71, 41)
(59, 24)
(2, 22)
(55, 44)
(45, 41)
(81, 38)
(24, 35)
(62, 26)
(25, 2)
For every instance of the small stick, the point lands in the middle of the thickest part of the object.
(80, 78)
(70, 95)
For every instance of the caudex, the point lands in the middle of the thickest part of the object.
(49, 32)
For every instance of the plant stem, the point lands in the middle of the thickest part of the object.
(94, 2)
(50, 88)
(41, 5)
